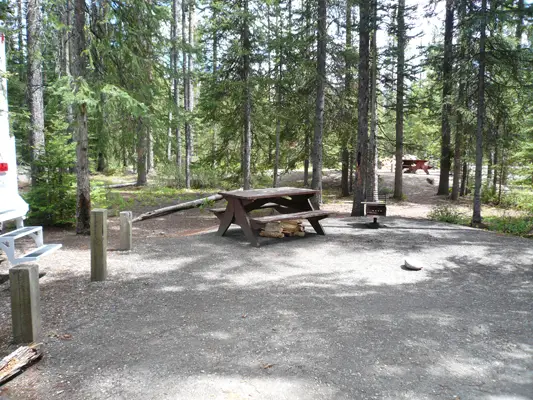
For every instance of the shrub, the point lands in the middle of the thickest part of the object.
(53, 199)
(446, 213)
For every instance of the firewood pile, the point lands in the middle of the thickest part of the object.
(280, 229)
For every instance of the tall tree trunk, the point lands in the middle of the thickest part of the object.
(361, 160)
(476, 215)
(461, 100)
(190, 92)
(141, 148)
(184, 65)
(348, 84)
(20, 40)
(464, 179)
(306, 153)
(489, 167)
(316, 181)
(247, 105)
(215, 68)
(495, 175)
(445, 154)
(398, 176)
(175, 83)
(79, 62)
(279, 34)
(35, 85)
(458, 149)
(372, 180)
(520, 24)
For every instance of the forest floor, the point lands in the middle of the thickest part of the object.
(189, 315)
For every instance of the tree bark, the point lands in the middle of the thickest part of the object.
(247, 104)
(372, 179)
(361, 159)
(306, 154)
(476, 215)
(141, 148)
(83, 204)
(190, 94)
(175, 82)
(35, 85)
(279, 97)
(398, 176)
(316, 181)
(464, 179)
(444, 182)
(348, 84)
(461, 100)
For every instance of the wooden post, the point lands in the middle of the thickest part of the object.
(126, 218)
(98, 245)
(25, 303)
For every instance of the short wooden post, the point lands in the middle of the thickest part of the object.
(25, 303)
(126, 218)
(98, 245)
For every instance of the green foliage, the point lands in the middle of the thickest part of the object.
(170, 175)
(447, 213)
(53, 199)
(519, 226)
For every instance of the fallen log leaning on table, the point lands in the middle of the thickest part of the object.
(19, 359)
(178, 207)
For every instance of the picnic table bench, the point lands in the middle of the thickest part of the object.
(414, 165)
(290, 203)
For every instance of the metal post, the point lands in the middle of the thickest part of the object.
(25, 303)
(98, 245)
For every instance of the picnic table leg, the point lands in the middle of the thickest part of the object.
(227, 219)
(304, 204)
(241, 219)
(426, 169)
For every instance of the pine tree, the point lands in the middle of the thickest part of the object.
(79, 60)
(35, 84)
(363, 106)
(444, 182)
(316, 182)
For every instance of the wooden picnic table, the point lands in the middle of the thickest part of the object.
(291, 203)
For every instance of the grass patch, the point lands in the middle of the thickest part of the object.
(513, 225)
(519, 226)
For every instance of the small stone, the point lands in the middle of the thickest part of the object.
(413, 265)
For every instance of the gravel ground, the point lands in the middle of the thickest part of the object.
(334, 317)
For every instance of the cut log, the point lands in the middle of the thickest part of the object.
(273, 227)
(19, 359)
(175, 208)
(269, 234)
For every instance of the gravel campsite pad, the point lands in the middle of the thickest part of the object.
(333, 317)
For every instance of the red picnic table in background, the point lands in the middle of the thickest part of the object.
(414, 165)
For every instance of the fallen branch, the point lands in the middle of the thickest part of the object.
(178, 207)
(121, 185)
(19, 359)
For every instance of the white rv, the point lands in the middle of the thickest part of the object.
(12, 206)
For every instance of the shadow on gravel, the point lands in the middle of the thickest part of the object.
(331, 317)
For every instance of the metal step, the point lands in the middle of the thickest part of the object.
(18, 233)
(35, 254)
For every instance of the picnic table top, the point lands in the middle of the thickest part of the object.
(254, 194)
